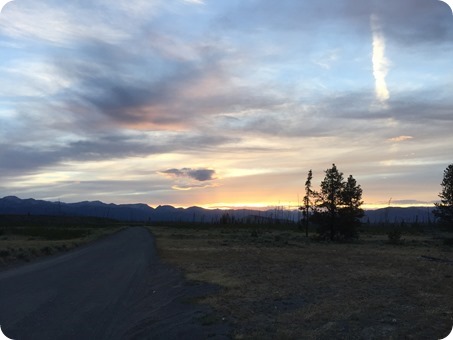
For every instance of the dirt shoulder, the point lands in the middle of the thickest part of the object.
(278, 284)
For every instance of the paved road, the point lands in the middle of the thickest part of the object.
(115, 288)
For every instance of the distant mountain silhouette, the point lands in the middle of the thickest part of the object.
(13, 205)
(124, 212)
(398, 215)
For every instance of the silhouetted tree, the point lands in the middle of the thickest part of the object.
(444, 209)
(350, 211)
(307, 201)
(225, 218)
(338, 204)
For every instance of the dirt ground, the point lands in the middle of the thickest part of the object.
(281, 285)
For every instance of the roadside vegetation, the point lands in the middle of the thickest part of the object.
(24, 237)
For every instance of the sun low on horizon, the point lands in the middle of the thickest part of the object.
(224, 104)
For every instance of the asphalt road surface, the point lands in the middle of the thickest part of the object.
(115, 288)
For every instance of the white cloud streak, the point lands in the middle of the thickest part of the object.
(400, 139)
(196, 2)
(380, 62)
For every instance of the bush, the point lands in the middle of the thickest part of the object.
(395, 237)
(345, 229)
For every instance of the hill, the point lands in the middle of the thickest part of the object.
(12, 205)
(398, 215)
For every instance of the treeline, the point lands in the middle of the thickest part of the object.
(335, 211)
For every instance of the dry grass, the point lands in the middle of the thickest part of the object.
(279, 285)
(16, 249)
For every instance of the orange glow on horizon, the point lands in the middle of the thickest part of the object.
(262, 206)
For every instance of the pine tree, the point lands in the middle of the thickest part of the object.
(350, 211)
(338, 206)
(444, 209)
(307, 201)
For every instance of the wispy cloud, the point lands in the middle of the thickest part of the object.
(380, 62)
(190, 186)
(326, 60)
(400, 139)
(196, 2)
(58, 25)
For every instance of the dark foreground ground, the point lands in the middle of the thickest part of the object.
(115, 288)
(278, 284)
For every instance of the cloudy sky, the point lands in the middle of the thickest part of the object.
(224, 102)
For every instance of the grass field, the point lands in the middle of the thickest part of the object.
(277, 284)
(25, 238)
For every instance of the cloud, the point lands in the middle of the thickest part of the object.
(400, 139)
(57, 25)
(187, 187)
(117, 191)
(200, 175)
(412, 23)
(188, 178)
(168, 93)
(19, 159)
(411, 203)
(196, 2)
(380, 62)
(405, 22)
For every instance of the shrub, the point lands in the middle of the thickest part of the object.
(395, 237)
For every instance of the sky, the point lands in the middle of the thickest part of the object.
(224, 103)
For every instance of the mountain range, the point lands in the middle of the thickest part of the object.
(12, 205)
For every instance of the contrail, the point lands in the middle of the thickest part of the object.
(380, 62)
